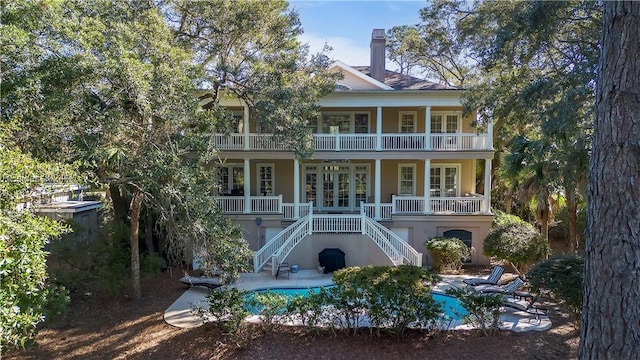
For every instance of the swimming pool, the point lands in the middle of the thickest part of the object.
(452, 308)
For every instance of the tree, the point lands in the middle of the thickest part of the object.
(25, 293)
(610, 315)
(248, 50)
(434, 46)
(116, 86)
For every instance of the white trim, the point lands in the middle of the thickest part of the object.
(414, 114)
(259, 179)
(444, 115)
(352, 120)
(413, 186)
(448, 165)
(360, 75)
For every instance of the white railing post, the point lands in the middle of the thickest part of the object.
(247, 187)
(379, 128)
(427, 186)
(427, 128)
(296, 189)
(487, 187)
(362, 218)
(393, 204)
(338, 140)
(310, 218)
(280, 204)
(245, 127)
(256, 267)
(378, 180)
(490, 135)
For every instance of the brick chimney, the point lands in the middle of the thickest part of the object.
(377, 70)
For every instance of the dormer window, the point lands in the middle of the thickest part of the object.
(342, 87)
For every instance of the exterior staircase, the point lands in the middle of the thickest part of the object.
(274, 252)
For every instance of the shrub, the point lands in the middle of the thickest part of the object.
(272, 306)
(448, 253)
(483, 309)
(24, 293)
(517, 242)
(308, 310)
(153, 264)
(227, 308)
(562, 276)
(393, 298)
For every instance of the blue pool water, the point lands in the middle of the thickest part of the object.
(451, 307)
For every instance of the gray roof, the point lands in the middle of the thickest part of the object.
(400, 81)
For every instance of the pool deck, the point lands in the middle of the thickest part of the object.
(180, 313)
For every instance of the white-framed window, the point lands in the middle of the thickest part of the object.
(407, 179)
(445, 180)
(445, 122)
(407, 122)
(231, 179)
(266, 179)
(341, 122)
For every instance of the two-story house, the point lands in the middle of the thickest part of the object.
(395, 164)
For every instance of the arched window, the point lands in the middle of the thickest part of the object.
(342, 87)
(464, 235)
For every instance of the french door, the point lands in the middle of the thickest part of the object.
(336, 187)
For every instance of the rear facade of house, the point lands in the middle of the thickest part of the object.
(395, 164)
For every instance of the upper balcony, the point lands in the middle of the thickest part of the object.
(362, 142)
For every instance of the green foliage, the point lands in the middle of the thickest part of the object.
(26, 298)
(448, 253)
(227, 308)
(271, 306)
(483, 309)
(516, 242)
(563, 277)
(23, 291)
(153, 264)
(393, 298)
(307, 310)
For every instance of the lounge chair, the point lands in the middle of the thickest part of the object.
(493, 278)
(519, 302)
(509, 288)
(211, 283)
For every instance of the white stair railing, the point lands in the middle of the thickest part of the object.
(262, 256)
(373, 229)
(294, 239)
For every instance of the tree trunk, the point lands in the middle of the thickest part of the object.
(610, 314)
(572, 214)
(136, 205)
(119, 202)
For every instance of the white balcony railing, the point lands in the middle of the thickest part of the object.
(439, 205)
(400, 205)
(359, 142)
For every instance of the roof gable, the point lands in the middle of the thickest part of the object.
(356, 80)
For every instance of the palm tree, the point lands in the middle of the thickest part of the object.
(529, 164)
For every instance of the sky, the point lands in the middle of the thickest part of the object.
(346, 26)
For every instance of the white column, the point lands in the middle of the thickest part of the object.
(490, 135)
(379, 129)
(247, 187)
(377, 190)
(427, 186)
(296, 189)
(487, 186)
(245, 127)
(427, 128)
